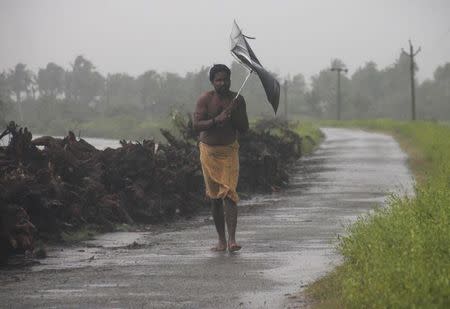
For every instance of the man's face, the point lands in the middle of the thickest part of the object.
(221, 82)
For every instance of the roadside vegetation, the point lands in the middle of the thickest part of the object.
(310, 133)
(399, 256)
(57, 97)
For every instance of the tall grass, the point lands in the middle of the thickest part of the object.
(399, 256)
(310, 133)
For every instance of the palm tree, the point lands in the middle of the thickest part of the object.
(19, 81)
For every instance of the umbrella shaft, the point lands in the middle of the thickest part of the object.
(243, 84)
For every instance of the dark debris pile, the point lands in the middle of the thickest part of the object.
(50, 185)
(266, 152)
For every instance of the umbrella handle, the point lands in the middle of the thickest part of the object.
(240, 89)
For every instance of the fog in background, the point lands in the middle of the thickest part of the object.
(298, 36)
(125, 68)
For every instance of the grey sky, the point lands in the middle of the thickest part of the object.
(179, 36)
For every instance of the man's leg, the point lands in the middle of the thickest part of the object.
(231, 212)
(219, 221)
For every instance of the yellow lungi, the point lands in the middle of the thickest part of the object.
(220, 165)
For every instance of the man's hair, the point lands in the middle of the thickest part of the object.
(216, 69)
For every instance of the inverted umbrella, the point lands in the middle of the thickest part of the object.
(241, 50)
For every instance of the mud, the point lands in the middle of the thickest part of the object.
(287, 237)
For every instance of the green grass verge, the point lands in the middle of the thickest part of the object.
(84, 233)
(399, 256)
(310, 133)
(88, 232)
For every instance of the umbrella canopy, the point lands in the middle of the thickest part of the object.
(241, 50)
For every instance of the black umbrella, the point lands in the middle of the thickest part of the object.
(241, 50)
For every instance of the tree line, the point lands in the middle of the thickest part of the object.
(60, 98)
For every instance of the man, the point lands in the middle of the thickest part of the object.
(220, 118)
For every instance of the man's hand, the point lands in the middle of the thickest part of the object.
(222, 117)
(226, 113)
(232, 105)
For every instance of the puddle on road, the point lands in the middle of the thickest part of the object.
(116, 240)
(105, 285)
(100, 251)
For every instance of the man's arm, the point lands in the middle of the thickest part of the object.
(239, 116)
(201, 121)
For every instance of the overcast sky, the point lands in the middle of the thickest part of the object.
(179, 36)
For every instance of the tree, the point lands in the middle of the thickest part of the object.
(434, 95)
(323, 93)
(5, 90)
(4, 108)
(196, 83)
(173, 93)
(5, 99)
(51, 80)
(366, 90)
(442, 80)
(297, 95)
(442, 73)
(312, 100)
(323, 96)
(395, 82)
(19, 81)
(121, 89)
(149, 87)
(83, 83)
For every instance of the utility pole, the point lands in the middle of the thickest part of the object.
(412, 66)
(338, 96)
(285, 88)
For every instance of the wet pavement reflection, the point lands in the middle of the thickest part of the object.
(288, 240)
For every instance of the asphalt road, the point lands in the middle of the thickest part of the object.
(288, 241)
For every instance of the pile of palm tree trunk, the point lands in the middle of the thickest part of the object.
(50, 185)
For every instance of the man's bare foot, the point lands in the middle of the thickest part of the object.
(232, 247)
(219, 248)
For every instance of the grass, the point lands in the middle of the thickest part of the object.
(84, 233)
(88, 232)
(310, 133)
(399, 256)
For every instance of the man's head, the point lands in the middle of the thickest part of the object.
(219, 75)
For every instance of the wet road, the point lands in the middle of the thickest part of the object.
(287, 237)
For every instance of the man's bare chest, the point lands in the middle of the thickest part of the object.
(217, 105)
